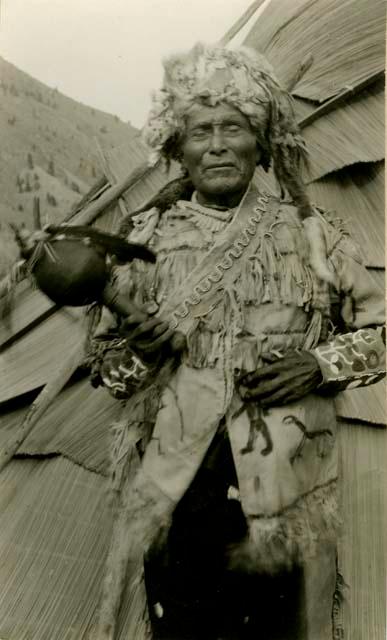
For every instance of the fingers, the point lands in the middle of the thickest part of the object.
(131, 322)
(298, 365)
(272, 356)
(153, 345)
(265, 372)
(150, 327)
(277, 397)
(248, 393)
(278, 391)
(288, 394)
(280, 397)
(146, 335)
(264, 387)
(160, 328)
(135, 327)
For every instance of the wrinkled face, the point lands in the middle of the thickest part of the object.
(220, 153)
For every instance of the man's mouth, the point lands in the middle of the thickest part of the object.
(225, 165)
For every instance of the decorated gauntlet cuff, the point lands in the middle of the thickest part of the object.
(123, 374)
(352, 360)
(116, 367)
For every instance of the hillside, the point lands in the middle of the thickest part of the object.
(48, 149)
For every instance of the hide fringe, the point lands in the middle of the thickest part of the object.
(141, 519)
(340, 603)
(296, 263)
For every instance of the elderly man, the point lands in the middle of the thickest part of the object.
(234, 502)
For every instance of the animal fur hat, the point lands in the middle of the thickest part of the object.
(210, 75)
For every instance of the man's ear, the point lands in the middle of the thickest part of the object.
(258, 155)
(183, 172)
(263, 158)
(173, 148)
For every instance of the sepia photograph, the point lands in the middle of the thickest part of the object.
(192, 320)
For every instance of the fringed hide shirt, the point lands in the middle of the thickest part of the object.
(286, 457)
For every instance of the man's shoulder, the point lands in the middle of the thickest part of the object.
(143, 225)
(330, 216)
(338, 234)
(162, 201)
(288, 211)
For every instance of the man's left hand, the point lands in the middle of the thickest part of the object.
(288, 379)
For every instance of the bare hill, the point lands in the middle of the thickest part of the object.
(48, 149)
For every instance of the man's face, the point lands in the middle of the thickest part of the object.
(219, 152)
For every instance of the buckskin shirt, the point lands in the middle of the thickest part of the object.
(257, 295)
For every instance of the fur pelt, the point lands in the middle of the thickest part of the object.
(178, 189)
(291, 537)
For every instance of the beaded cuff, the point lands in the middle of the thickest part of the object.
(116, 367)
(352, 360)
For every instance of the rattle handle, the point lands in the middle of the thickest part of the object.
(120, 304)
(124, 307)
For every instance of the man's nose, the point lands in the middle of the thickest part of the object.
(217, 142)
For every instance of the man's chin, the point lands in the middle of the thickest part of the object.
(220, 184)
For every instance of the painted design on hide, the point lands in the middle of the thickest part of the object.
(306, 435)
(258, 425)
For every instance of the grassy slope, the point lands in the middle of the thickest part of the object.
(48, 149)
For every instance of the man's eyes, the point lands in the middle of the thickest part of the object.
(233, 128)
(200, 133)
(204, 132)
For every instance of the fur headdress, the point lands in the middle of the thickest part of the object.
(210, 75)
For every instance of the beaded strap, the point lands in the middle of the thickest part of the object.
(206, 283)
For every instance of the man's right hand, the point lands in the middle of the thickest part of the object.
(146, 335)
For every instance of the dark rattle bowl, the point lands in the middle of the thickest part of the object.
(71, 272)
